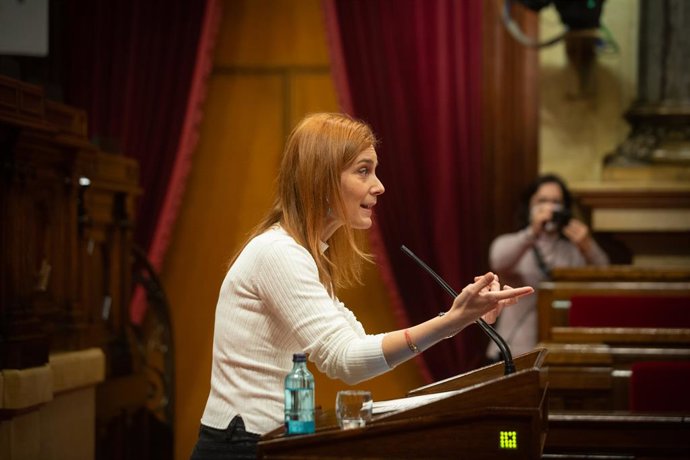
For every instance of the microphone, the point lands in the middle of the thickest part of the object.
(497, 339)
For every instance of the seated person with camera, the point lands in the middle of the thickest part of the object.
(548, 237)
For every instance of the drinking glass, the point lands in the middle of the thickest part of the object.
(353, 408)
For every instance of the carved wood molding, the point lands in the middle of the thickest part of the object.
(68, 216)
(632, 195)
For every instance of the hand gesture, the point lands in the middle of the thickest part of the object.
(578, 233)
(484, 299)
(540, 215)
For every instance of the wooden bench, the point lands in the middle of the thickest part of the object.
(554, 298)
(596, 376)
(590, 369)
(617, 435)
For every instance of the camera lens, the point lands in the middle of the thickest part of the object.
(561, 217)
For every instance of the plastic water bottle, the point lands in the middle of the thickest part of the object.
(299, 397)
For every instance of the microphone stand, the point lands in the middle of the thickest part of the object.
(495, 337)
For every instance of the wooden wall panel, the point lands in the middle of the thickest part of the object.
(510, 119)
(311, 92)
(227, 191)
(272, 33)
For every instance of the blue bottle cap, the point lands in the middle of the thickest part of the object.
(299, 358)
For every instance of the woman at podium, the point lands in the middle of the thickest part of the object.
(279, 295)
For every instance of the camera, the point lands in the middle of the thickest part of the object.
(575, 14)
(561, 217)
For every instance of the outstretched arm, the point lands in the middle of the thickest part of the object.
(483, 298)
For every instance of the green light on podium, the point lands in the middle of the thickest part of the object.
(508, 439)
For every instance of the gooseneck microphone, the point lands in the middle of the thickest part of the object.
(495, 337)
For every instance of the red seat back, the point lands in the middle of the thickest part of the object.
(629, 311)
(660, 386)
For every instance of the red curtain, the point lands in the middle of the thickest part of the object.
(412, 69)
(139, 69)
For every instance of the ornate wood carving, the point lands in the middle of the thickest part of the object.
(67, 214)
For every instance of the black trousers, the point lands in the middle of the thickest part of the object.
(234, 442)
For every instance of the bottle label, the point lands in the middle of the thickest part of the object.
(299, 401)
(299, 427)
(299, 410)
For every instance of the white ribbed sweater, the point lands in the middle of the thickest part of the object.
(271, 305)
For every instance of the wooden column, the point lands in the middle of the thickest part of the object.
(510, 117)
(67, 211)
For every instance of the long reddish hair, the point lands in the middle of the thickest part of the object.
(316, 153)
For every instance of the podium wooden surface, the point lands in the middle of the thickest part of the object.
(477, 415)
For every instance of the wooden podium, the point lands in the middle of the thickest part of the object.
(480, 414)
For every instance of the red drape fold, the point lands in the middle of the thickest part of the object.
(139, 70)
(413, 71)
(189, 137)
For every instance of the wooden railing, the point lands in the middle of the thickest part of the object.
(554, 297)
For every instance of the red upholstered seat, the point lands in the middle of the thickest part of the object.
(661, 386)
(629, 311)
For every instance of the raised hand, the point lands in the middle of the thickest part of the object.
(484, 298)
(577, 232)
(540, 214)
